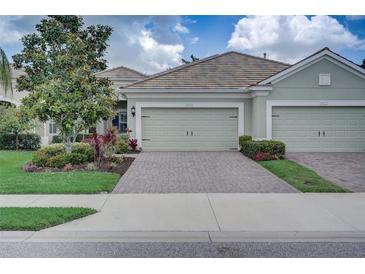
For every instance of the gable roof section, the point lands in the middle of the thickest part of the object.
(314, 58)
(121, 72)
(227, 70)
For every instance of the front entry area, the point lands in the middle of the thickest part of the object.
(320, 129)
(189, 129)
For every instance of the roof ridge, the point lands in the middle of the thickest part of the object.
(258, 57)
(119, 67)
(175, 69)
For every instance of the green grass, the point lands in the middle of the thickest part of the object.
(14, 181)
(300, 177)
(37, 218)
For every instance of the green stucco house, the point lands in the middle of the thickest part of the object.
(317, 104)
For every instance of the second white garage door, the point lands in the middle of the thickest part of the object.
(189, 129)
(322, 129)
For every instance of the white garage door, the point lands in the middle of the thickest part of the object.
(323, 129)
(189, 129)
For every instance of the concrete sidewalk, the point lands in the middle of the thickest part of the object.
(201, 217)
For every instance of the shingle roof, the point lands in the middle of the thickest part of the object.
(122, 72)
(227, 70)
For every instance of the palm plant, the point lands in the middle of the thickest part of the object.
(5, 72)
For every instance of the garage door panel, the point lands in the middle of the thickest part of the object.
(208, 129)
(341, 128)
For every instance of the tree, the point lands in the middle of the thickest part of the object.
(60, 60)
(14, 121)
(5, 72)
(363, 64)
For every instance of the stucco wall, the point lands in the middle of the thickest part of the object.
(304, 86)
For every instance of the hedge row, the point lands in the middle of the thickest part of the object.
(252, 148)
(28, 141)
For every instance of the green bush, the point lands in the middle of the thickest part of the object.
(84, 149)
(244, 138)
(124, 137)
(57, 139)
(40, 158)
(53, 150)
(122, 146)
(28, 141)
(58, 161)
(252, 148)
(76, 158)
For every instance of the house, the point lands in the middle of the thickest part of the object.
(317, 104)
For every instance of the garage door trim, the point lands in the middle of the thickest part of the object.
(305, 103)
(140, 105)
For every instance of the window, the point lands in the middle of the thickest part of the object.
(120, 121)
(324, 79)
(52, 128)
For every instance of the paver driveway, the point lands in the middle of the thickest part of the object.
(205, 172)
(347, 169)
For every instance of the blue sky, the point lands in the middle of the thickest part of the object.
(154, 43)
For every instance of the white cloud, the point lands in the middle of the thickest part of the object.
(181, 29)
(194, 40)
(290, 38)
(145, 43)
(158, 56)
(8, 31)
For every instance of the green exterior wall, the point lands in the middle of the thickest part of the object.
(303, 85)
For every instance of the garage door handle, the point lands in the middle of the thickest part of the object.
(324, 133)
(191, 133)
(187, 133)
(319, 133)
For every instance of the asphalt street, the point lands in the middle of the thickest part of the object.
(185, 250)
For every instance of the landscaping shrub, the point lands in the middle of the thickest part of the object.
(76, 158)
(84, 149)
(264, 156)
(29, 167)
(133, 144)
(40, 158)
(57, 139)
(53, 150)
(124, 137)
(274, 148)
(28, 141)
(122, 146)
(244, 138)
(58, 161)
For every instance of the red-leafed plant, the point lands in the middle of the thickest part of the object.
(97, 142)
(133, 143)
(264, 156)
(110, 141)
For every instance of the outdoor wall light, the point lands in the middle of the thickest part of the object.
(133, 110)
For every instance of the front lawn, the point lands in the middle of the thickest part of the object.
(37, 218)
(15, 181)
(300, 177)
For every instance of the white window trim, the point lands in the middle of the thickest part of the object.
(49, 133)
(305, 103)
(140, 105)
(324, 75)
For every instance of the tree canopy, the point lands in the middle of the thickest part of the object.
(60, 60)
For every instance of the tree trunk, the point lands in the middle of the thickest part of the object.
(16, 141)
(68, 144)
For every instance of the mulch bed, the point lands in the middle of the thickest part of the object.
(120, 168)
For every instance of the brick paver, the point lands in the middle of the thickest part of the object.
(346, 169)
(198, 172)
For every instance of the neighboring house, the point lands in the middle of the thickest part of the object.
(317, 104)
(120, 76)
